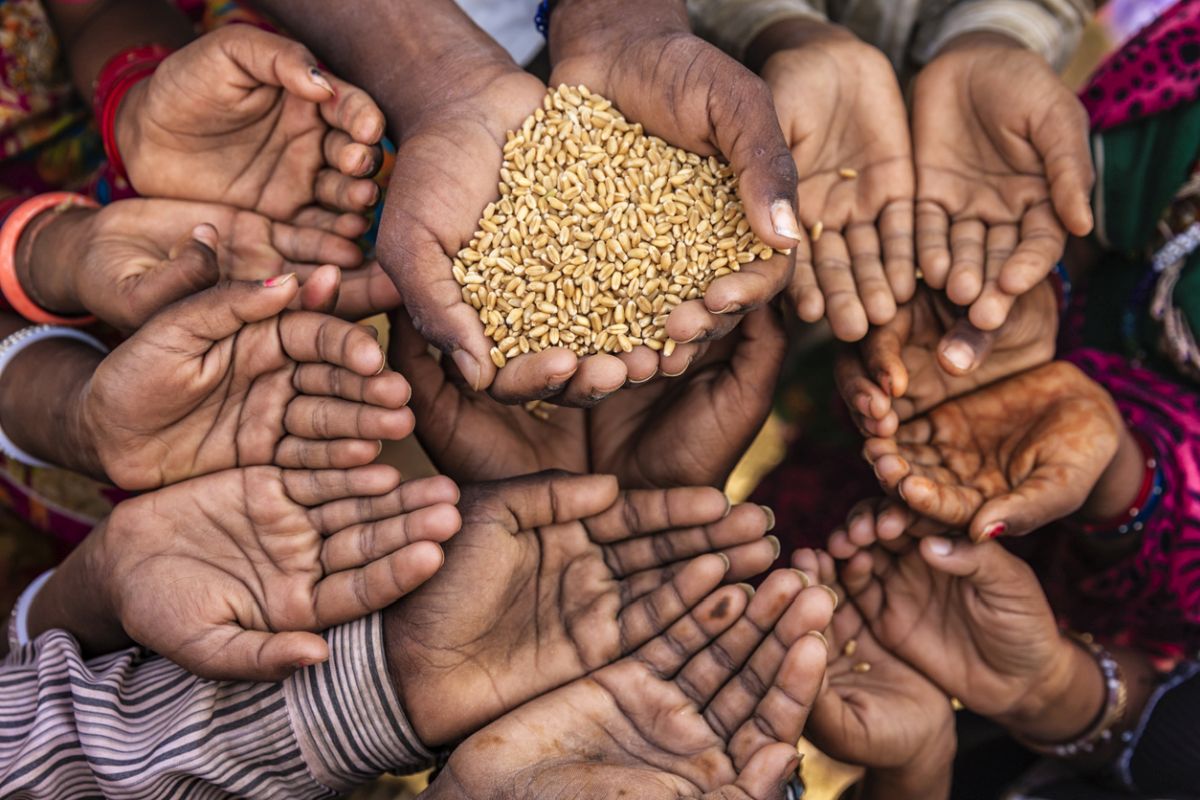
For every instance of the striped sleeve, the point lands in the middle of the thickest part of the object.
(131, 725)
(733, 24)
(1052, 28)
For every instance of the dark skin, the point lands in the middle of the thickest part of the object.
(1007, 459)
(1003, 172)
(551, 577)
(233, 380)
(679, 432)
(233, 575)
(844, 117)
(712, 709)
(889, 719)
(930, 353)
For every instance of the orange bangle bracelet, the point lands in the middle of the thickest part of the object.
(10, 235)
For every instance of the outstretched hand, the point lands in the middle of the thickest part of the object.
(710, 707)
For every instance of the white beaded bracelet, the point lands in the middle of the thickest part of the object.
(11, 347)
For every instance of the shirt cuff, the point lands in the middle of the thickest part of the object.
(346, 714)
(1051, 28)
(733, 24)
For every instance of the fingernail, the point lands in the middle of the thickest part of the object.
(206, 235)
(318, 78)
(364, 163)
(278, 280)
(820, 637)
(960, 355)
(995, 529)
(940, 547)
(725, 558)
(783, 220)
(468, 366)
(747, 588)
(807, 581)
(770, 518)
(832, 593)
(775, 546)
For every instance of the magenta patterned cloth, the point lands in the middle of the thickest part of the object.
(1152, 598)
(1157, 70)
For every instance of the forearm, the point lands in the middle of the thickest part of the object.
(48, 255)
(1050, 28)
(410, 55)
(41, 391)
(324, 729)
(93, 32)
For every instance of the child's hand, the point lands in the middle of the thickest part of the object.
(874, 709)
(1003, 173)
(930, 353)
(245, 118)
(1007, 459)
(844, 118)
(128, 259)
(227, 378)
(233, 575)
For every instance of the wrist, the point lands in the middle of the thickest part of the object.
(46, 254)
(1064, 702)
(792, 33)
(926, 776)
(978, 41)
(1120, 483)
(126, 130)
(76, 599)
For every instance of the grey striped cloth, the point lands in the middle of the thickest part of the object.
(133, 725)
(909, 32)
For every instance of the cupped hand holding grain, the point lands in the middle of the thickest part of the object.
(1004, 172)
(644, 58)
(686, 431)
(844, 117)
(551, 577)
(710, 708)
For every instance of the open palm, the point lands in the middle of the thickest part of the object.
(228, 378)
(711, 708)
(551, 577)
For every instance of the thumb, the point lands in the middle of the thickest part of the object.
(1062, 141)
(192, 267)
(321, 290)
(221, 311)
(550, 498)
(984, 565)
(275, 60)
(964, 348)
(260, 656)
(1047, 495)
(747, 132)
(768, 771)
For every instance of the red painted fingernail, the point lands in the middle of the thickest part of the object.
(278, 280)
(994, 530)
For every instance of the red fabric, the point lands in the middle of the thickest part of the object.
(1157, 70)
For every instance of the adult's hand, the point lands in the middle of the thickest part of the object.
(552, 577)
(844, 118)
(645, 59)
(228, 378)
(712, 708)
(1007, 459)
(246, 118)
(1004, 172)
(931, 353)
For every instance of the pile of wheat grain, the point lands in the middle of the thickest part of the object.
(600, 230)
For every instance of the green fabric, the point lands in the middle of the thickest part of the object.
(1143, 166)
